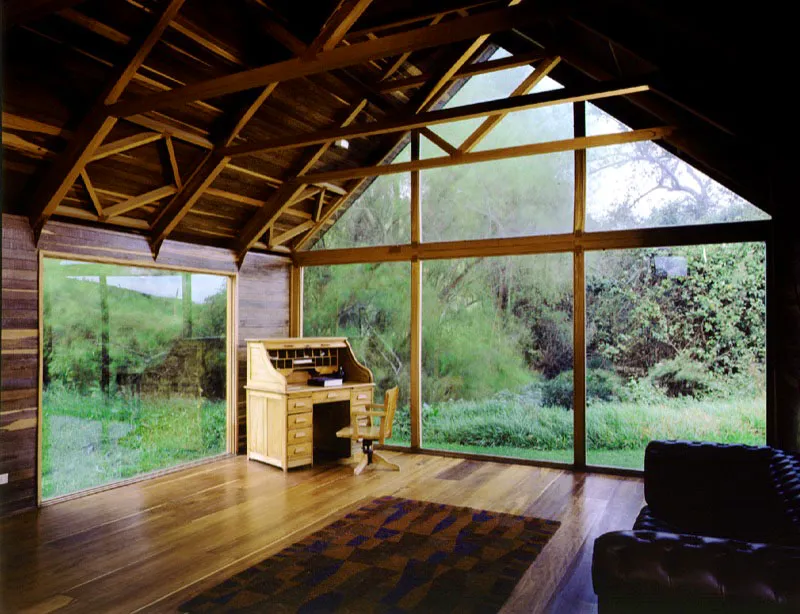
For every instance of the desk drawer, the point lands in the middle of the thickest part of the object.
(299, 449)
(300, 421)
(297, 405)
(299, 435)
(360, 396)
(329, 396)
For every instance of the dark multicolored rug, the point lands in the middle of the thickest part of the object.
(392, 555)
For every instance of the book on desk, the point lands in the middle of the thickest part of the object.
(300, 391)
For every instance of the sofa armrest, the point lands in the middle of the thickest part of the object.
(675, 567)
(716, 489)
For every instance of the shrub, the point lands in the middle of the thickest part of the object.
(681, 376)
(601, 385)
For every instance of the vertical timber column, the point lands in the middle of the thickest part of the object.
(579, 295)
(296, 302)
(415, 402)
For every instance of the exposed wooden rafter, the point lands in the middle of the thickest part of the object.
(442, 116)
(337, 26)
(96, 124)
(340, 57)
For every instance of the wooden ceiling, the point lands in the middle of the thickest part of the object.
(196, 120)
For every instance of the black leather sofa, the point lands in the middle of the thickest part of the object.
(720, 533)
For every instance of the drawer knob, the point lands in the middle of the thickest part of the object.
(362, 396)
(299, 403)
(331, 395)
(300, 421)
(299, 434)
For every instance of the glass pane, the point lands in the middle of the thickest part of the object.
(380, 216)
(504, 198)
(370, 305)
(642, 185)
(676, 348)
(497, 356)
(135, 372)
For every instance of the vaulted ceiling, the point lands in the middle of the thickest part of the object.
(196, 120)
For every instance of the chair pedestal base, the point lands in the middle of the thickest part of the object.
(371, 458)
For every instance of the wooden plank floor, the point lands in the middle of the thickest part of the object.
(149, 546)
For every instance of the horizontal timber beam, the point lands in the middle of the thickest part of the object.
(443, 116)
(340, 57)
(587, 142)
(737, 232)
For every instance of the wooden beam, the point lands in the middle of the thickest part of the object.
(579, 294)
(173, 162)
(282, 199)
(120, 220)
(96, 124)
(442, 116)
(503, 153)
(469, 70)
(205, 174)
(415, 368)
(27, 148)
(431, 10)
(167, 128)
(438, 141)
(18, 12)
(296, 302)
(87, 183)
(202, 177)
(341, 57)
(530, 82)
(140, 201)
(289, 234)
(25, 124)
(337, 26)
(736, 232)
(320, 205)
(131, 142)
(265, 217)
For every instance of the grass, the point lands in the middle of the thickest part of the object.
(617, 432)
(89, 441)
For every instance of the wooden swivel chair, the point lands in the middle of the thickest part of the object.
(370, 432)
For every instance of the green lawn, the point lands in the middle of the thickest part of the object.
(89, 442)
(617, 432)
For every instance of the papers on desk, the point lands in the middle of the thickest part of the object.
(325, 381)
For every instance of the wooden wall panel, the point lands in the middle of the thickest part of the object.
(19, 370)
(263, 287)
(262, 299)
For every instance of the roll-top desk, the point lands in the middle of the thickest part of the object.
(290, 421)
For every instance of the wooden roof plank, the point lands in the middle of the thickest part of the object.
(337, 25)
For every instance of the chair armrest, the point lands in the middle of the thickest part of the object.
(671, 566)
(381, 405)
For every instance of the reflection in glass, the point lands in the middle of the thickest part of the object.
(134, 370)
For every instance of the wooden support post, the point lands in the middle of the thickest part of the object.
(415, 402)
(296, 302)
(579, 298)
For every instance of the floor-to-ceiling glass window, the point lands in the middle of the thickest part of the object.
(134, 371)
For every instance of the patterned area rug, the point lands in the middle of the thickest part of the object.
(392, 555)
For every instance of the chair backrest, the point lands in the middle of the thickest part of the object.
(389, 405)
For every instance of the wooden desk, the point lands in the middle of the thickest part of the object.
(287, 420)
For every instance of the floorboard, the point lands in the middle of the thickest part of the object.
(149, 546)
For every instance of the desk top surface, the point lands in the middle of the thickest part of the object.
(298, 388)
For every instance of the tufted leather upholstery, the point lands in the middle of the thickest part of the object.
(720, 533)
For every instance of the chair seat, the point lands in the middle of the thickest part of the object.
(365, 432)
